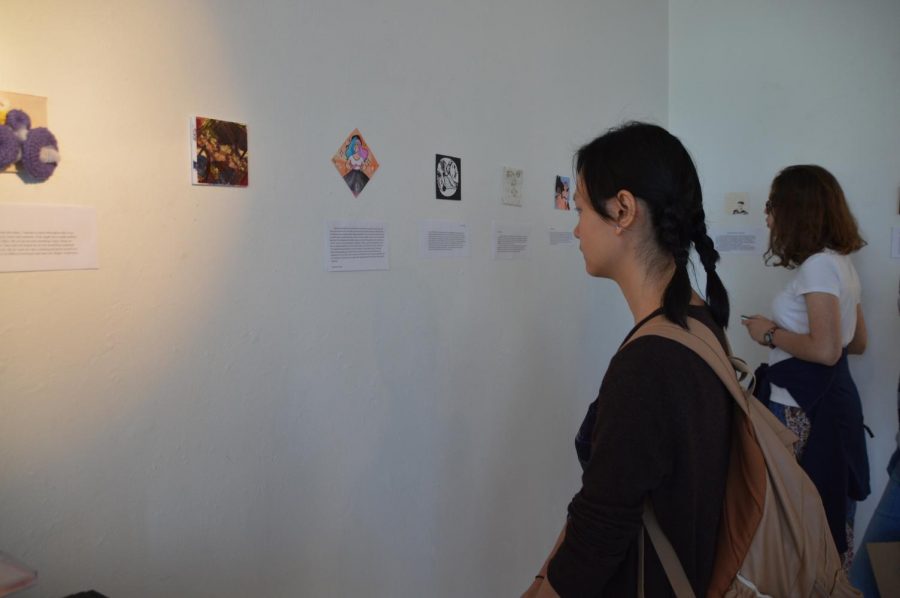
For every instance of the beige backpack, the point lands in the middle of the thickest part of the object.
(773, 538)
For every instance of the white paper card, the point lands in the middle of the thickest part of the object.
(745, 240)
(561, 236)
(895, 242)
(354, 245)
(36, 237)
(512, 186)
(511, 241)
(439, 238)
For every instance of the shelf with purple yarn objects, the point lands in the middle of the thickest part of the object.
(34, 151)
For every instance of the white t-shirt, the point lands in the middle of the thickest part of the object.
(825, 272)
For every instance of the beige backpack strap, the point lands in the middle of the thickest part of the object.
(671, 565)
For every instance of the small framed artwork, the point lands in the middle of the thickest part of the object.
(219, 153)
(34, 106)
(447, 177)
(512, 186)
(355, 162)
(562, 193)
(737, 204)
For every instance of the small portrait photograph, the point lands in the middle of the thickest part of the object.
(447, 177)
(355, 162)
(737, 204)
(219, 150)
(561, 198)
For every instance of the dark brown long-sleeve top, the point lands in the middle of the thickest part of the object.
(663, 423)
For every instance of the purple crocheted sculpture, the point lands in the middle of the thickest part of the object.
(40, 153)
(36, 150)
(10, 147)
(19, 122)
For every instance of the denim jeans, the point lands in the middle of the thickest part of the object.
(884, 527)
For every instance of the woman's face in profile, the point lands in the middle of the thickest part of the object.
(595, 235)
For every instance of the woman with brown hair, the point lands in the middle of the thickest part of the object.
(816, 321)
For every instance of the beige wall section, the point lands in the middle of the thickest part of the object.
(756, 86)
(210, 414)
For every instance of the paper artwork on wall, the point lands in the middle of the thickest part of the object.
(440, 238)
(511, 241)
(355, 245)
(561, 236)
(740, 240)
(512, 186)
(26, 145)
(737, 204)
(561, 195)
(34, 106)
(41, 237)
(14, 575)
(355, 162)
(447, 177)
(219, 153)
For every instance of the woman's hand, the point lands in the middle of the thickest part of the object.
(540, 587)
(757, 326)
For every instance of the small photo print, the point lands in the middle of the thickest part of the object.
(737, 204)
(355, 162)
(219, 150)
(512, 186)
(447, 177)
(561, 197)
(34, 106)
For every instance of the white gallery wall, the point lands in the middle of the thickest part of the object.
(757, 86)
(210, 413)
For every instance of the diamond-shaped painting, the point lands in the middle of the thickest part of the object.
(355, 162)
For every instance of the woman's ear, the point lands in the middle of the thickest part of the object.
(625, 209)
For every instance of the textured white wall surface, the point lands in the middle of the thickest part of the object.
(210, 413)
(756, 86)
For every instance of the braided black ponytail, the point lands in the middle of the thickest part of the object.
(716, 295)
(671, 237)
(653, 164)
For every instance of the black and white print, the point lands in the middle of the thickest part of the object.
(447, 177)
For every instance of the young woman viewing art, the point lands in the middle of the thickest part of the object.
(659, 429)
(816, 321)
